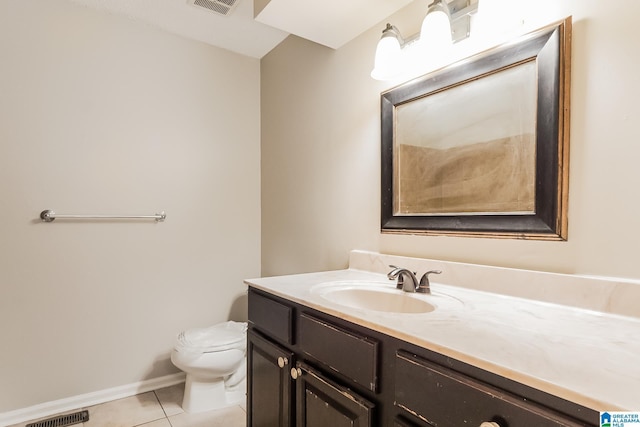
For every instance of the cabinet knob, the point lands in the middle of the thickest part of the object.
(297, 372)
(282, 361)
(489, 424)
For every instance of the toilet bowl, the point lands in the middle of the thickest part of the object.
(214, 360)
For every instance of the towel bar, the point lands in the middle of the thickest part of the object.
(48, 216)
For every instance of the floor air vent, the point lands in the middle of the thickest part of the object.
(222, 7)
(62, 420)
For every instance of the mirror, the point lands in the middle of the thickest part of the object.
(480, 148)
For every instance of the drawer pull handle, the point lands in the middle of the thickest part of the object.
(282, 362)
(297, 372)
(489, 424)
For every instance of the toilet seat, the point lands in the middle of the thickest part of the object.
(220, 337)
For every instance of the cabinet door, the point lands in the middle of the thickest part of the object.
(269, 384)
(322, 403)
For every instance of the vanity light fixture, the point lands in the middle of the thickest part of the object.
(388, 59)
(444, 23)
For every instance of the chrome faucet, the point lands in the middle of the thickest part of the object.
(408, 282)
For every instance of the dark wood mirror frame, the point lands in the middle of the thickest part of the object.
(550, 48)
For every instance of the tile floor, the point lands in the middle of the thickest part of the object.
(159, 408)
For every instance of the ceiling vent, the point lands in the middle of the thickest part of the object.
(221, 7)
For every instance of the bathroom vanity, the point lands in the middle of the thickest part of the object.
(466, 358)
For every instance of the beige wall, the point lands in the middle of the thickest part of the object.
(99, 114)
(321, 151)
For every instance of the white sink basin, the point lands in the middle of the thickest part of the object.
(375, 296)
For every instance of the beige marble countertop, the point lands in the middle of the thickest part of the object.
(585, 356)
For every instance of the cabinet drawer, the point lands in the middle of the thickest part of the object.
(446, 398)
(353, 355)
(272, 317)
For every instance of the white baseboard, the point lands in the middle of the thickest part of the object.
(47, 409)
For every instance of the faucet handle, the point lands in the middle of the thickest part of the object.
(425, 286)
(393, 274)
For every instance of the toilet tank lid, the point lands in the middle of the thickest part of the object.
(227, 335)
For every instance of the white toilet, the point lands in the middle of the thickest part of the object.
(214, 360)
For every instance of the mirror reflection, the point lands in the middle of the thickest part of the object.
(469, 149)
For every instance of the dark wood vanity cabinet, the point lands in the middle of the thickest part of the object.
(310, 369)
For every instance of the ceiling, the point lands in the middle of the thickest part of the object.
(328, 22)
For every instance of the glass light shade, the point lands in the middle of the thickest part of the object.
(388, 60)
(435, 33)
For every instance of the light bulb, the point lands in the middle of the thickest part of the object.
(388, 60)
(435, 33)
